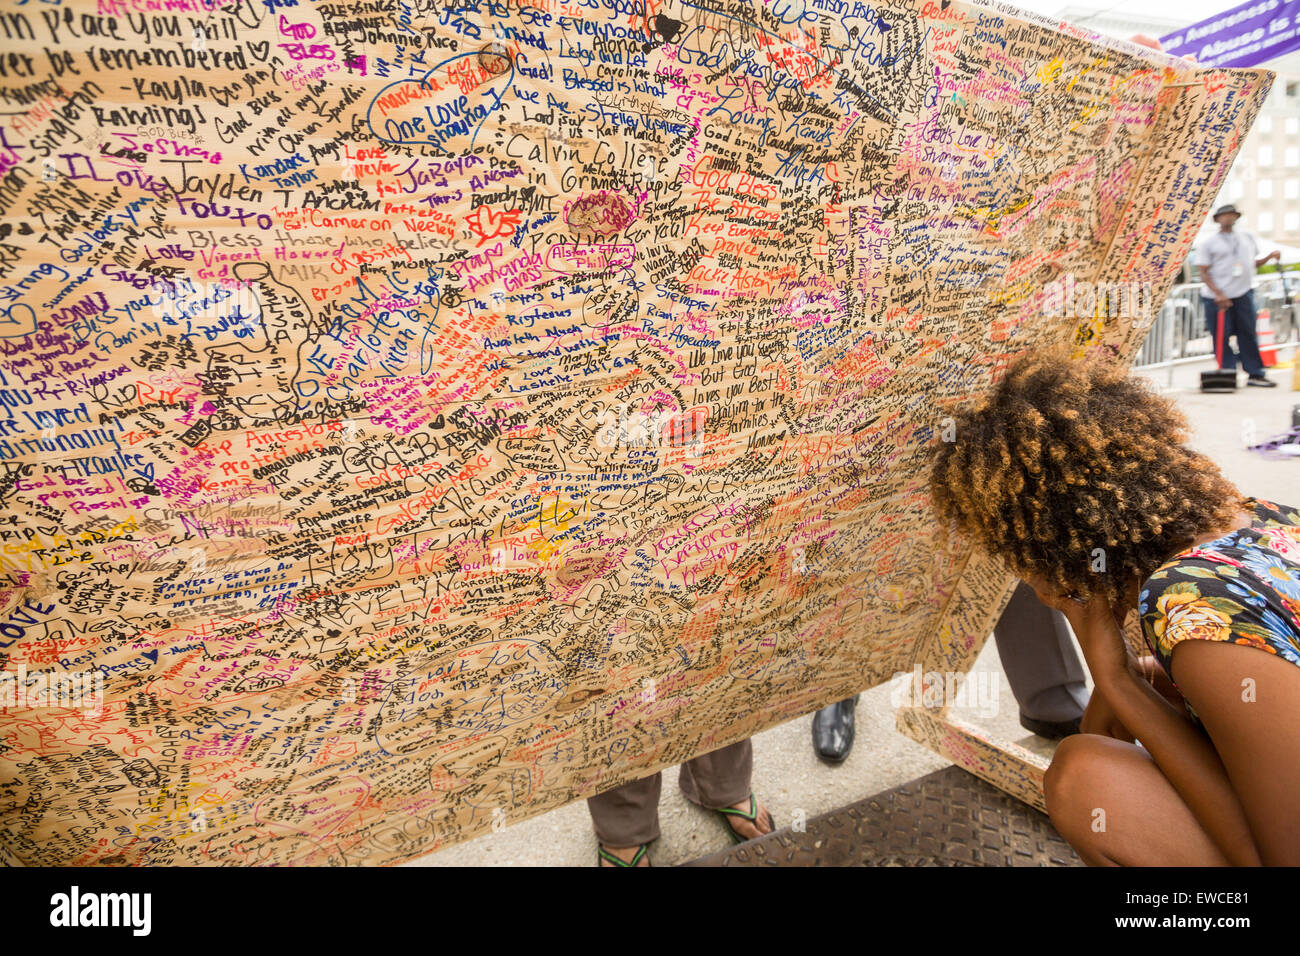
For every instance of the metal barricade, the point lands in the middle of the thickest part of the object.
(1180, 332)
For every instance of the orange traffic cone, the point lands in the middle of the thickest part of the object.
(1264, 333)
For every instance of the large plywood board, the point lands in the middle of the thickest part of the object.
(417, 416)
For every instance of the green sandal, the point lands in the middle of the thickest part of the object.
(751, 816)
(603, 854)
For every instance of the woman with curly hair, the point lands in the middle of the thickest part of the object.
(1077, 475)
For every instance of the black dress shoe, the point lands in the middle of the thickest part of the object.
(832, 730)
(1051, 729)
(1261, 382)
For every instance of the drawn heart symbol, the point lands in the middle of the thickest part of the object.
(11, 326)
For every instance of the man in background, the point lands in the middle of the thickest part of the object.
(1227, 263)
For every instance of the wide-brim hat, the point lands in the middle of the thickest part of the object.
(1225, 211)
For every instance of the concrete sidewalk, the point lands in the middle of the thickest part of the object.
(787, 775)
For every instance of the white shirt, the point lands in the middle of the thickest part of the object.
(1229, 258)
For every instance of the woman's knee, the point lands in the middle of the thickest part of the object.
(1072, 778)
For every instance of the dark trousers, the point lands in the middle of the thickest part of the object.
(1039, 659)
(1239, 321)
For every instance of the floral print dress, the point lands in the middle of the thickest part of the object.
(1243, 588)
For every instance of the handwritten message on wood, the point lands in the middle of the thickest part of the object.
(421, 414)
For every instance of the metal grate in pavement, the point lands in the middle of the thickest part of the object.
(946, 818)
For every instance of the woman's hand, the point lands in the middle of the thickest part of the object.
(1097, 626)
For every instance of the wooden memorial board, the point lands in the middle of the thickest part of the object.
(420, 414)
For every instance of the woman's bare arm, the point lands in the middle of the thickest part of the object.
(1184, 755)
(1188, 760)
(1100, 718)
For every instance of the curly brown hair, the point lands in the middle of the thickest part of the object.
(1064, 456)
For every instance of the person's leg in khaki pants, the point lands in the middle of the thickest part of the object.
(627, 817)
(722, 780)
(718, 779)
